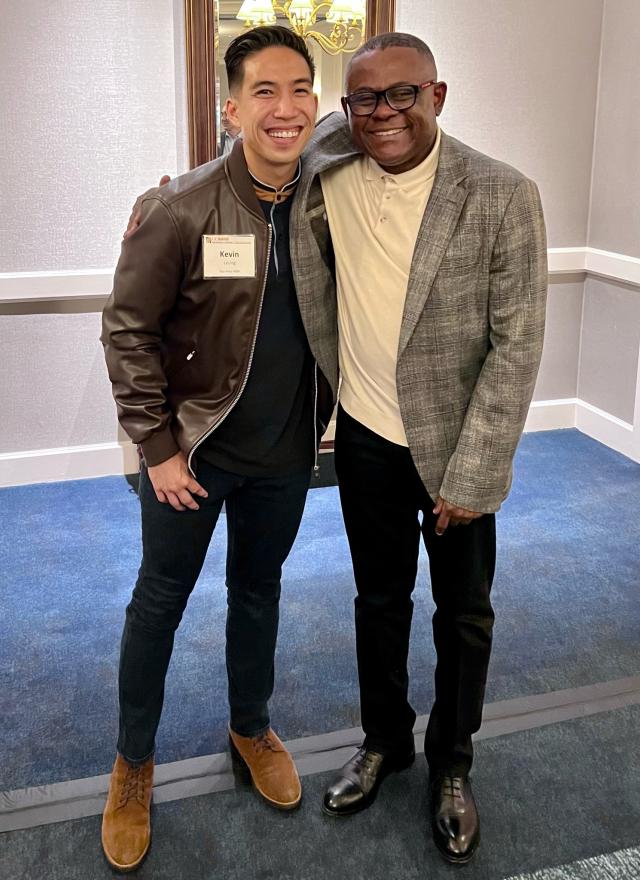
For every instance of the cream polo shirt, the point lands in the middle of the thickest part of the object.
(374, 219)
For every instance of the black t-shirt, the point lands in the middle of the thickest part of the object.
(269, 432)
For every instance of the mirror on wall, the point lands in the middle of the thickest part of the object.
(333, 31)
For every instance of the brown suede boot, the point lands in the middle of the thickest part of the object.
(272, 770)
(126, 823)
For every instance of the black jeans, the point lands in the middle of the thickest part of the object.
(382, 496)
(263, 516)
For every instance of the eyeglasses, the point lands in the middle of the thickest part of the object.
(403, 97)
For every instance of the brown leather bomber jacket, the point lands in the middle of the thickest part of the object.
(179, 347)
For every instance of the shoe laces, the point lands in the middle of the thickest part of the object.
(365, 757)
(133, 786)
(452, 786)
(264, 742)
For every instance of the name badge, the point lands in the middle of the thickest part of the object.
(228, 256)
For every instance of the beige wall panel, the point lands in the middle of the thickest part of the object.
(558, 376)
(609, 347)
(88, 120)
(522, 87)
(615, 198)
(55, 390)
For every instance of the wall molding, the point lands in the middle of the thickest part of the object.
(121, 457)
(68, 463)
(609, 429)
(17, 287)
(103, 459)
(592, 261)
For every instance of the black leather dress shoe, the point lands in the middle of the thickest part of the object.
(360, 778)
(454, 818)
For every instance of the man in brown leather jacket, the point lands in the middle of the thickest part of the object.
(222, 377)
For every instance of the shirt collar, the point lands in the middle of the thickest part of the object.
(267, 193)
(422, 172)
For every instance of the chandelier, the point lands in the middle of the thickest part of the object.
(346, 16)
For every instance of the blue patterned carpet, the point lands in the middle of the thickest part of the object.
(566, 595)
(547, 797)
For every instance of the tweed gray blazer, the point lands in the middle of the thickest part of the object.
(473, 324)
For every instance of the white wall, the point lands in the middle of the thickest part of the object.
(552, 88)
(91, 110)
(88, 120)
(558, 376)
(60, 395)
(615, 197)
(522, 80)
(609, 375)
(609, 347)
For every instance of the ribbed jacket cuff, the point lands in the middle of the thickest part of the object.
(160, 446)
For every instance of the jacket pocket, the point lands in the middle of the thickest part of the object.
(176, 360)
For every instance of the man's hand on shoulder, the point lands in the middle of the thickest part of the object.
(136, 213)
(450, 515)
(174, 485)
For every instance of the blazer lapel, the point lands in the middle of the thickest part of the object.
(329, 146)
(438, 224)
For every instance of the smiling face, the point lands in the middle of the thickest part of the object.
(275, 107)
(398, 140)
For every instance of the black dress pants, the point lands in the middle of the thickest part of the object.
(263, 516)
(382, 496)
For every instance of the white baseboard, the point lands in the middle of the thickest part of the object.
(105, 459)
(67, 463)
(608, 429)
(550, 415)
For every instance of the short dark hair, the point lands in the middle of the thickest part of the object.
(388, 41)
(257, 39)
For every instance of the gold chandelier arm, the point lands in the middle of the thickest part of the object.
(346, 36)
(284, 8)
(339, 40)
(319, 6)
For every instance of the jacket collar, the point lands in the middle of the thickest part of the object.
(452, 164)
(240, 179)
(248, 187)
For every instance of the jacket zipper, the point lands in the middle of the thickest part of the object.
(248, 370)
(316, 467)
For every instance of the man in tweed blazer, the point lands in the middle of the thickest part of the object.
(440, 259)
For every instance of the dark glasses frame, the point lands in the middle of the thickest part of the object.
(347, 100)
